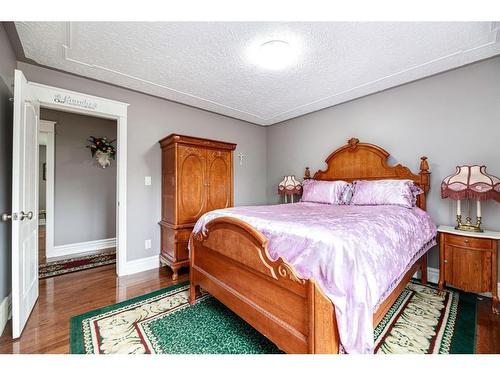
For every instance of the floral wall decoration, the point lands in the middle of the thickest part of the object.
(102, 149)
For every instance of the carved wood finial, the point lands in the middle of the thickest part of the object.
(424, 165)
(307, 174)
(353, 142)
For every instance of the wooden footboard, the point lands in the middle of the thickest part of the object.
(232, 263)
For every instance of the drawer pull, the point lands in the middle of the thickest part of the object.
(466, 241)
(446, 260)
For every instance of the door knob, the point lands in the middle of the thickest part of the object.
(7, 217)
(23, 216)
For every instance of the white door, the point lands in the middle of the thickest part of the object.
(24, 204)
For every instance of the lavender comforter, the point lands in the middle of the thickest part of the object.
(357, 254)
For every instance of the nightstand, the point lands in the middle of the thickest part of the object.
(469, 261)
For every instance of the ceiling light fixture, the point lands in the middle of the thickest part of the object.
(274, 54)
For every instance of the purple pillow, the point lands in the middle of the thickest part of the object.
(330, 192)
(385, 192)
(415, 190)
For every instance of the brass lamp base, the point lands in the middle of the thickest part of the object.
(468, 226)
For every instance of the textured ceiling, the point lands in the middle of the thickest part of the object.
(206, 65)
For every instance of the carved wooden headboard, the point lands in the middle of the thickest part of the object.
(364, 161)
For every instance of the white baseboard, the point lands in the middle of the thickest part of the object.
(140, 265)
(5, 313)
(433, 277)
(81, 247)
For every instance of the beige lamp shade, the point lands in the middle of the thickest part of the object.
(289, 185)
(471, 182)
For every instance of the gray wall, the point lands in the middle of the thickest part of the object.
(85, 193)
(452, 118)
(7, 66)
(149, 120)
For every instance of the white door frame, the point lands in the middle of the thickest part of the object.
(77, 102)
(48, 129)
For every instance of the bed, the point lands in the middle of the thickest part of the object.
(235, 262)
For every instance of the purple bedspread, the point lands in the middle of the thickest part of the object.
(357, 254)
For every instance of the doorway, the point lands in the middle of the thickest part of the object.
(29, 97)
(53, 98)
(77, 194)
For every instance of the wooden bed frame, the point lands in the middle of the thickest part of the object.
(232, 263)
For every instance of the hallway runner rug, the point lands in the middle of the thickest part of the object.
(61, 267)
(422, 320)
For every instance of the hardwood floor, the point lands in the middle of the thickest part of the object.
(68, 295)
(65, 296)
(488, 329)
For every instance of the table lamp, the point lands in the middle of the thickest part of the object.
(470, 182)
(289, 187)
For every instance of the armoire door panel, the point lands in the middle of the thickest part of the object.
(191, 183)
(218, 180)
(168, 184)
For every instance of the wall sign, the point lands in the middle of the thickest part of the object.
(68, 99)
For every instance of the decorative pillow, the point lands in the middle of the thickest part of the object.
(385, 192)
(323, 191)
(347, 194)
(415, 190)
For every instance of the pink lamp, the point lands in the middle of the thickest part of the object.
(470, 182)
(289, 187)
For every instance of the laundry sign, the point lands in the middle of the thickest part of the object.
(78, 102)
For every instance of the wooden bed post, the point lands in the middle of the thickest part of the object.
(194, 288)
(425, 186)
(307, 174)
(323, 331)
(424, 180)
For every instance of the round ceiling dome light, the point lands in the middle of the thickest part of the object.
(274, 54)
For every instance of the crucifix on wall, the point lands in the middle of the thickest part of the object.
(241, 156)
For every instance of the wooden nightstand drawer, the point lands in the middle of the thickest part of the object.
(463, 241)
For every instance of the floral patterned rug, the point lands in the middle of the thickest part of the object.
(425, 321)
(422, 320)
(61, 267)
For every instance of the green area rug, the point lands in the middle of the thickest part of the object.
(422, 320)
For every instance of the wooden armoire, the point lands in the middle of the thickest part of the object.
(197, 177)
